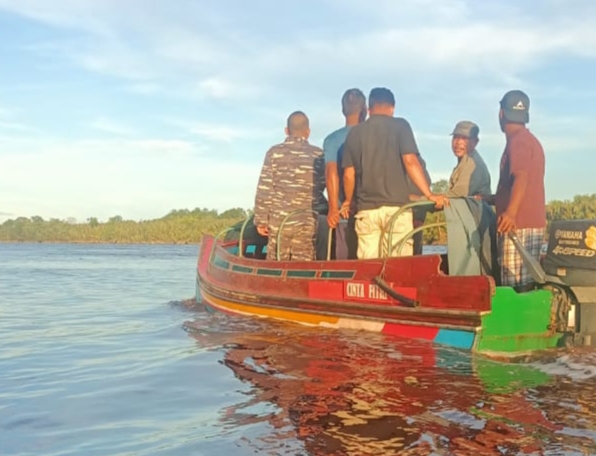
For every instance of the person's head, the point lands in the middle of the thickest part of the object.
(298, 125)
(465, 138)
(514, 109)
(353, 105)
(381, 101)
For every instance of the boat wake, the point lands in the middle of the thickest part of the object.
(577, 365)
(187, 304)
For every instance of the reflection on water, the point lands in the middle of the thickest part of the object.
(355, 393)
(94, 360)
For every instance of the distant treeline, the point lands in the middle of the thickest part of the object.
(178, 227)
(188, 226)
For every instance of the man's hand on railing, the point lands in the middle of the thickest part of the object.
(440, 201)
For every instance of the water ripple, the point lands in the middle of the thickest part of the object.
(102, 354)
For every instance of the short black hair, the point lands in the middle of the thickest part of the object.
(353, 102)
(380, 96)
(297, 123)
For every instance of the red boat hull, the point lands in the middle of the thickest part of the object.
(346, 294)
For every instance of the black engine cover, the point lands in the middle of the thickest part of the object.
(571, 253)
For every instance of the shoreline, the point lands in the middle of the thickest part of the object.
(101, 242)
(132, 243)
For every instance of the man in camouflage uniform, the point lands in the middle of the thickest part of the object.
(292, 178)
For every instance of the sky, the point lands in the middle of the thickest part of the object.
(138, 107)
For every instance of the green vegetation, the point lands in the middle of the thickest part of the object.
(178, 227)
(436, 235)
(188, 226)
(580, 207)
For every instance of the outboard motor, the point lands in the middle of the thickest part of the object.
(571, 258)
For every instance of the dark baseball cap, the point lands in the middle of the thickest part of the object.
(467, 129)
(516, 106)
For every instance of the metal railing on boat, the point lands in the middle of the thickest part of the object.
(241, 237)
(283, 222)
(398, 247)
(389, 232)
(409, 235)
(221, 233)
(281, 226)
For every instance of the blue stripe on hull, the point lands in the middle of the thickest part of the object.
(454, 338)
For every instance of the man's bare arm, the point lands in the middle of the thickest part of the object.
(416, 173)
(349, 185)
(520, 184)
(332, 182)
(506, 221)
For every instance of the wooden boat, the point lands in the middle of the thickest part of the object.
(412, 296)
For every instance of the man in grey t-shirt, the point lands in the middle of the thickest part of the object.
(470, 177)
(471, 224)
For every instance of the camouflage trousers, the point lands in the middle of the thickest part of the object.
(297, 242)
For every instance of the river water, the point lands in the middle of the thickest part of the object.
(101, 354)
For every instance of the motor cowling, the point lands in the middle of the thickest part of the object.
(571, 252)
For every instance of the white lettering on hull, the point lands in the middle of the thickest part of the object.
(374, 292)
(364, 291)
(355, 290)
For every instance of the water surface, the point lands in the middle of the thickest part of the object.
(99, 356)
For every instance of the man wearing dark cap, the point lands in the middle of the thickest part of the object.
(520, 198)
(353, 103)
(379, 154)
(292, 178)
(470, 177)
(471, 224)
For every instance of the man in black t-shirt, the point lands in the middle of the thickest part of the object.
(379, 155)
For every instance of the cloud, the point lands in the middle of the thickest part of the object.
(224, 76)
(109, 56)
(221, 88)
(111, 127)
(234, 56)
(222, 133)
(68, 13)
(15, 126)
(8, 122)
(97, 149)
(147, 88)
(114, 60)
(131, 41)
(212, 132)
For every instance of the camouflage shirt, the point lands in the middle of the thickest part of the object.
(292, 177)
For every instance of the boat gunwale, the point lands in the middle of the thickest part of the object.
(221, 247)
(391, 309)
(266, 264)
(475, 329)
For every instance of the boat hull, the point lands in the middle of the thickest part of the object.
(409, 297)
